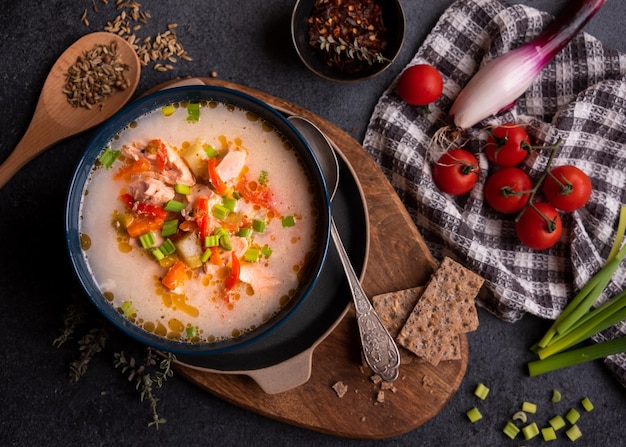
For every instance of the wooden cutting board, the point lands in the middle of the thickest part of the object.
(398, 258)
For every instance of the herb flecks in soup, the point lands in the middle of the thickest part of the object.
(198, 221)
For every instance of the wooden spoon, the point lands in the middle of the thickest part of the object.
(55, 119)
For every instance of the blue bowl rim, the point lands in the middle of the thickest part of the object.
(116, 124)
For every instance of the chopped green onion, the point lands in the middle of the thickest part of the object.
(157, 253)
(108, 157)
(169, 228)
(229, 203)
(210, 151)
(251, 255)
(258, 225)
(529, 407)
(572, 416)
(236, 195)
(244, 232)
(557, 422)
(193, 111)
(530, 431)
(174, 206)
(225, 242)
(212, 241)
(556, 396)
(520, 416)
(127, 308)
(576, 356)
(511, 430)
(474, 415)
(191, 331)
(220, 211)
(263, 177)
(167, 247)
(206, 255)
(548, 434)
(220, 231)
(168, 110)
(147, 240)
(481, 391)
(182, 189)
(288, 221)
(587, 405)
(266, 251)
(573, 433)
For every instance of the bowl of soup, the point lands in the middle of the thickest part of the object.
(197, 220)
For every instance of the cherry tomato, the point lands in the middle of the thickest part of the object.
(567, 188)
(420, 84)
(507, 145)
(456, 172)
(507, 190)
(539, 227)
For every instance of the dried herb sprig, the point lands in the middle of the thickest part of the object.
(352, 51)
(74, 316)
(146, 379)
(91, 343)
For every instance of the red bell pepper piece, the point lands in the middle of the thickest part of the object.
(214, 177)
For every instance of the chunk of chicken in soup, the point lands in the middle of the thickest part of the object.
(199, 230)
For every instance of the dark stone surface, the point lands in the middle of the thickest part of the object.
(246, 42)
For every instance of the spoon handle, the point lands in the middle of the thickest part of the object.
(379, 349)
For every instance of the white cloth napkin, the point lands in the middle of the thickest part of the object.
(580, 96)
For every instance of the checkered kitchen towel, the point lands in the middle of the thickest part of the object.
(580, 97)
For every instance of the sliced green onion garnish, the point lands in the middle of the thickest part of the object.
(251, 255)
(556, 396)
(236, 195)
(169, 228)
(530, 431)
(474, 415)
(168, 110)
(229, 203)
(220, 231)
(548, 434)
(212, 241)
(266, 251)
(572, 416)
(529, 407)
(258, 225)
(193, 111)
(127, 308)
(167, 247)
(225, 242)
(244, 232)
(174, 206)
(573, 433)
(263, 177)
(206, 255)
(511, 430)
(587, 405)
(520, 416)
(220, 211)
(210, 151)
(191, 331)
(481, 391)
(157, 253)
(147, 240)
(557, 422)
(182, 189)
(288, 221)
(108, 157)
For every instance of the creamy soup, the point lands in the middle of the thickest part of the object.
(198, 221)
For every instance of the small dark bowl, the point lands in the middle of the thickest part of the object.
(81, 177)
(393, 19)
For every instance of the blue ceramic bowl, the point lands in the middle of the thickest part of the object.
(116, 124)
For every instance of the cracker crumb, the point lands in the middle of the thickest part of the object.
(340, 388)
(427, 380)
(376, 379)
(380, 397)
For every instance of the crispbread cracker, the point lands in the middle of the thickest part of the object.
(393, 309)
(445, 309)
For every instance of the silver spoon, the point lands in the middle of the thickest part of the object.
(379, 349)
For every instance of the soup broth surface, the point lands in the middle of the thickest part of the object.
(202, 226)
